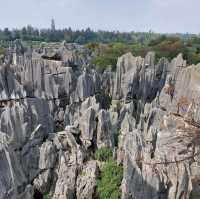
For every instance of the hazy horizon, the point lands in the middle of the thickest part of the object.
(170, 16)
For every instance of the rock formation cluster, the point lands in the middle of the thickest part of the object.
(52, 120)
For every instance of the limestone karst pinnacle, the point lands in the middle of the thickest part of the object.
(52, 120)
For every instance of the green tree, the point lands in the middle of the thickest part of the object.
(107, 56)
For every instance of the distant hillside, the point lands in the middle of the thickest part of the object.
(118, 43)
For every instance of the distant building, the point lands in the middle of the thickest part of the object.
(53, 26)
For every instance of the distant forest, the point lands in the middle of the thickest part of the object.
(118, 43)
(80, 36)
(74, 36)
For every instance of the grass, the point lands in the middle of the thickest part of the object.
(103, 154)
(109, 182)
(46, 196)
(108, 185)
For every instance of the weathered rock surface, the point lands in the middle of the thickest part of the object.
(86, 181)
(52, 119)
(104, 130)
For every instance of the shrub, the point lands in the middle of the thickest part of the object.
(46, 196)
(103, 154)
(103, 62)
(2, 50)
(107, 57)
(108, 186)
(92, 45)
(168, 47)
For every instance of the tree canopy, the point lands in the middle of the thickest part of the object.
(117, 43)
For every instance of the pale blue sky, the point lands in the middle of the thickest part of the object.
(123, 15)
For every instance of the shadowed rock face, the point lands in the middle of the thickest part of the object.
(51, 123)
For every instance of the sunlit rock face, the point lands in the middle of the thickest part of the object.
(56, 111)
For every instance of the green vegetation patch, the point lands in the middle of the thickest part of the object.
(108, 186)
(2, 51)
(103, 154)
(106, 57)
(46, 196)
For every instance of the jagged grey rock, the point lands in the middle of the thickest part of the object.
(104, 130)
(43, 182)
(86, 181)
(154, 118)
(69, 159)
(12, 178)
(88, 126)
(127, 73)
(47, 156)
(85, 86)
